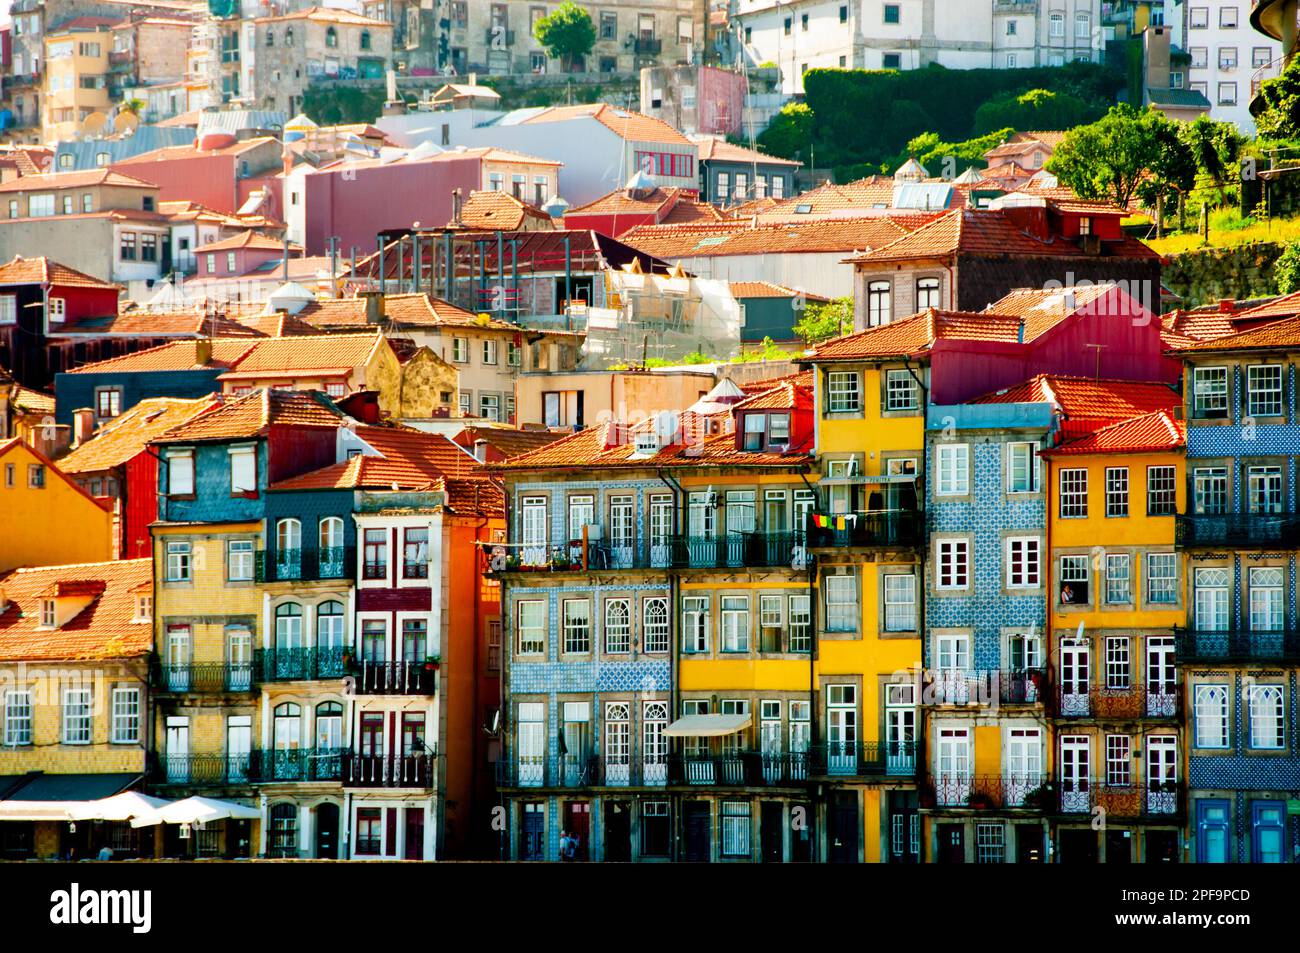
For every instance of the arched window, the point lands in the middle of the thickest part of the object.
(329, 726)
(331, 533)
(365, 39)
(288, 626)
(879, 309)
(288, 726)
(284, 830)
(288, 535)
(270, 38)
(329, 627)
(331, 37)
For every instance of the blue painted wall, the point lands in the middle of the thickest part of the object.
(212, 501)
(73, 391)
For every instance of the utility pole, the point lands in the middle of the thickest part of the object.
(333, 244)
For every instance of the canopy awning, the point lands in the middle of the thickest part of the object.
(197, 810)
(120, 807)
(36, 810)
(707, 726)
(53, 797)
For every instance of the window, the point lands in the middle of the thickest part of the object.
(901, 391)
(695, 624)
(1228, 18)
(735, 829)
(1267, 716)
(1162, 578)
(126, 246)
(1210, 490)
(655, 632)
(582, 512)
(1022, 468)
(374, 554)
(892, 13)
(1161, 497)
(1265, 594)
(1264, 390)
(18, 717)
(415, 552)
(618, 626)
(36, 476)
(1056, 25)
(1119, 761)
(1119, 582)
(1264, 489)
(954, 469)
(8, 309)
(800, 638)
(1011, 28)
(180, 473)
(735, 623)
(990, 843)
(178, 561)
(1210, 599)
(1074, 494)
(39, 206)
(843, 392)
(900, 602)
(952, 563)
(531, 626)
(1210, 709)
(879, 310)
(125, 724)
(841, 603)
(1082, 26)
(489, 352)
(1227, 94)
(460, 350)
(143, 608)
(77, 714)
(48, 615)
(1117, 491)
(1117, 662)
(243, 470)
(239, 560)
(108, 402)
(1210, 392)
(1023, 563)
(1074, 580)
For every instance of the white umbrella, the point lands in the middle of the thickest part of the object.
(197, 810)
(119, 807)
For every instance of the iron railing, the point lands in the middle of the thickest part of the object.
(722, 551)
(1155, 800)
(298, 764)
(395, 678)
(985, 686)
(291, 565)
(1242, 530)
(204, 677)
(745, 768)
(308, 664)
(203, 769)
(1232, 645)
(879, 528)
(863, 759)
(983, 792)
(386, 771)
(1134, 702)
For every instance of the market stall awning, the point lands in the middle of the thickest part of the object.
(36, 810)
(706, 726)
(52, 797)
(197, 810)
(120, 807)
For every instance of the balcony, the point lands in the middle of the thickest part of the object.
(1159, 800)
(386, 771)
(202, 769)
(739, 769)
(292, 565)
(1236, 645)
(396, 678)
(985, 687)
(297, 764)
(847, 759)
(1133, 703)
(890, 529)
(204, 677)
(947, 792)
(730, 769)
(647, 46)
(728, 551)
(289, 665)
(1239, 530)
(494, 38)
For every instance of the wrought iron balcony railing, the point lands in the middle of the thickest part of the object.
(204, 677)
(731, 769)
(880, 528)
(863, 759)
(1239, 530)
(297, 764)
(1134, 702)
(1156, 800)
(386, 771)
(981, 792)
(395, 678)
(723, 551)
(309, 664)
(289, 565)
(985, 687)
(203, 769)
(1236, 645)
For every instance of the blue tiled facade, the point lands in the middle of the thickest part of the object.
(75, 391)
(212, 500)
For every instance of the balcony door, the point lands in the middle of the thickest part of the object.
(1074, 679)
(1076, 762)
(532, 522)
(769, 739)
(900, 728)
(841, 729)
(288, 640)
(1162, 774)
(178, 749)
(575, 741)
(618, 742)
(952, 658)
(530, 742)
(622, 532)
(239, 746)
(1162, 678)
(661, 529)
(178, 658)
(287, 738)
(954, 759)
(1024, 763)
(239, 655)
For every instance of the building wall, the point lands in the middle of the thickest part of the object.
(282, 73)
(49, 524)
(1213, 45)
(75, 391)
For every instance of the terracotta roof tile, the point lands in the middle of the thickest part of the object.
(508, 441)
(74, 180)
(729, 237)
(767, 289)
(400, 310)
(492, 209)
(784, 396)
(246, 239)
(252, 415)
(800, 379)
(174, 356)
(106, 628)
(28, 271)
(123, 438)
(1095, 399)
(1281, 335)
(1149, 433)
(724, 151)
(306, 353)
(142, 322)
(626, 124)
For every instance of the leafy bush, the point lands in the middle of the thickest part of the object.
(1035, 109)
(1287, 270)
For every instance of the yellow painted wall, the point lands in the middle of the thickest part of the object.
(51, 525)
(871, 432)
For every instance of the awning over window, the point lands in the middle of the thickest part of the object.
(707, 726)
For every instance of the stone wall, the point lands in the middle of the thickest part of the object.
(1206, 275)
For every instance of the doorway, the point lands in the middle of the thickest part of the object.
(1213, 845)
(696, 821)
(802, 834)
(577, 821)
(1162, 847)
(618, 832)
(327, 830)
(772, 831)
(952, 844)
(1077, 847)
(844, 828)
(532, 831)
(1119, 847)
(1029, 844)
(413, 849)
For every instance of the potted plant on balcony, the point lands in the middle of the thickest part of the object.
(1037, 798)
(431, 663)
(512, 563)
(979, 800)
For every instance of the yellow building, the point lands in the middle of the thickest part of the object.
(76, 77)
(47, 518)
(1116, 593)
(74, 649)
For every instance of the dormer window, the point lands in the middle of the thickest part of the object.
(766, 431)
(47, 613)
(144, 607)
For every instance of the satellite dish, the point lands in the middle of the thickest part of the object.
(126, 123)
(94, 124)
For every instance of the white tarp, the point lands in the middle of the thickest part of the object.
(119, 807)
(197, 810)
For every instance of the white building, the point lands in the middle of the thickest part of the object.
(1229, 58)
(799, 35)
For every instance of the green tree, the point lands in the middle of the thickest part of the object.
(934, 154)
(1035, 109)
(1280, 117)
(789, 134)
(1286, 271)
(133, 106)
(821, 321)
(567, 34)
(1126, 150)
(1215, 148)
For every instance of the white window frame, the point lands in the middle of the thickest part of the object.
(952, 564)
(125, 715)
(78, 723)
(535, 643)
(19, 717)
(618, 629)
(1029, 482)
(1215, 734)
(952, 461)
(1024, 562)
(1116, 492)
(843, 392)
(1073, 490)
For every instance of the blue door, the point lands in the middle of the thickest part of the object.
(1212, 844)
(1268, 826)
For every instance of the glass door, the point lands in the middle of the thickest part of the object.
(661, 530)
(1076, 784)
(953, 767)
(1074, 679)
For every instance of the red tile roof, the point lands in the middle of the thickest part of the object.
(492, 209)
(175, 356)
(74, 180)
(767, 289)
(246, 239)
(124, 437)
(141, 322)
(784, 396)
(1086, 398)
(508, 441)
(105, 629)
(801, 379)
(1150, 433)
(253, 414)
(306, 355)
(400, 310)
(1181, 328)
(629, 125)
(30, 271)
(728, 237)
(1281, 335)
(724, 151)
(1287, 306)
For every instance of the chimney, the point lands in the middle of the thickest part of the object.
(1029, 218)
(473, 79)
(480, 450)
(83, 425)
(1227, 306)
(455, 207)
(375, 306)
(203, 352)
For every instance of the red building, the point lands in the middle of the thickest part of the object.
(209, 172)
(640, 202)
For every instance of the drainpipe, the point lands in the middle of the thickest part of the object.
(1048, 640)
(812, 657)
(674, 701)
